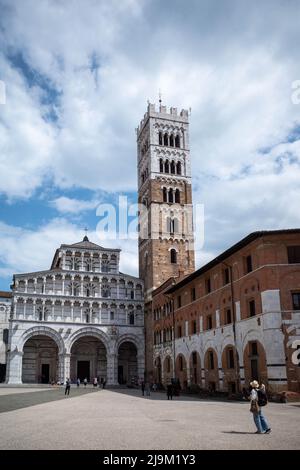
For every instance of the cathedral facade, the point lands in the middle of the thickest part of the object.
(83, 318)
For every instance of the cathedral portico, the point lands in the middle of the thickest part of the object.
(67, 324)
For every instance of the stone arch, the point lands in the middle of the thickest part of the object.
(130, 367)
(88, 331)
(181, 370)
(42, 331)
(211, 369)
(195, 368)
(230, 363)
(255, 361)
(168, 369)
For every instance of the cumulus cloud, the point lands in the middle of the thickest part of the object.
(24, 250)
(78, 75)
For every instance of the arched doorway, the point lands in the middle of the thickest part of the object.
(157, 371)
(40, 360)
(168, 370)
(195, 368)
(255, 363)
(181, 371)
(211, 370)
(88, 359)
(127, 364)
(229, 367)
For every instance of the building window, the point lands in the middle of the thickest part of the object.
(193, 294)
(296, 300)
(293, 254)
(179, 331)
(207, 286)
(209, 322)
(166, 139)
(165, 195)
(132, 294)
(249, 264)
(171, 196)
(178, 168)
(112, 315)
(194, 327)
(177, 196)
(87, 318)
(230, 359)
(194, 358)
(251, 307)
(228, 316)
(173, 255)
(160, 138)
(173, 167)
(179, 301)
(226, 276)
(161, 166)
(177, 141)
(171, 140)
(167, 169)
(211, 363)
(131, 318)
(180, 363)
(168, 365)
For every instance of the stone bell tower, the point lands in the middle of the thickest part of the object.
(166, 242)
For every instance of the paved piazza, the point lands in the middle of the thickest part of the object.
(122, 419)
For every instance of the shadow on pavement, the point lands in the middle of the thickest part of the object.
(16, 401)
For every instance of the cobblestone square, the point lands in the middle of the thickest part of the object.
(123, 419)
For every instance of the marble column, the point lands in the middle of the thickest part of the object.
(14, 362)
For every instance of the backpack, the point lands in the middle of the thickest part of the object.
(262, 398)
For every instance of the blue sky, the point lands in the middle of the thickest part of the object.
(78, 76)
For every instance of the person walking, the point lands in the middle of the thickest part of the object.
(143, 388)
(258, 399)
(104, 383)
(147, 387)
(170, 391)
(95, 383)
(68, 386)
(85, 382)
(78, 382)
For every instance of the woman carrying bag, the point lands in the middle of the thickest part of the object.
(258, 398)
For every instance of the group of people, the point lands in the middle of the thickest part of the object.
(96, 383)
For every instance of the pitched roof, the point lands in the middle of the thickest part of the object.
(86, 244)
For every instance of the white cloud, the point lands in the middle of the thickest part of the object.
(68, 205)
(24, 250)
(236, 74)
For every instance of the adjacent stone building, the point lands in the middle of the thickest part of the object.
(83, 318)
(233, 320)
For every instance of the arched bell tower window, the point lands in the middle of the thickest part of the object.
(177, 141)
(160, 138)
(171, 195)
(172, 167)
(177, 196)
(171, 140)
(165, 195)
(178, 168)
(166, 139)
(167, 166)
(173, 255)
(161, 165)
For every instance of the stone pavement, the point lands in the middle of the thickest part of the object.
(122, 419)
